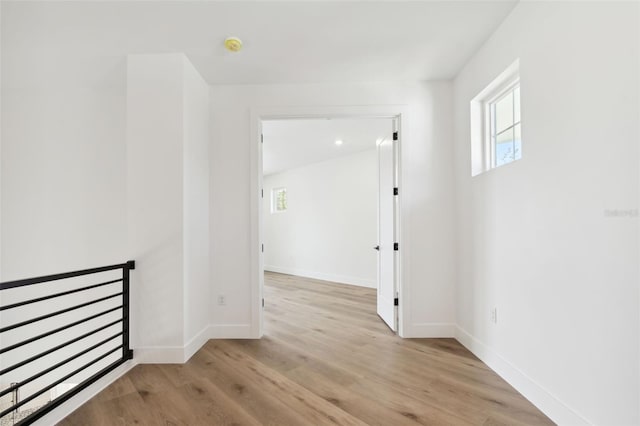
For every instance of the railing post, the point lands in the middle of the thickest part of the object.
(15, 399)
(127, 353)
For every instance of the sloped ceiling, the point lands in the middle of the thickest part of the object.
(294, 143)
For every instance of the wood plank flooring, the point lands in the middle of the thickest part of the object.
(326, 358)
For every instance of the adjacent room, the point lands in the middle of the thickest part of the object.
(321, 211)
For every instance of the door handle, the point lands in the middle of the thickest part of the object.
(377, 248)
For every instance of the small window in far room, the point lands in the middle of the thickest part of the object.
(496, 132)
(278, 200)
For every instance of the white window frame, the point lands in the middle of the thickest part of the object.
(482, 144)
(274, 200)
(489, 120)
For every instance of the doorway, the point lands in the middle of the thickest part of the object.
(275, 200)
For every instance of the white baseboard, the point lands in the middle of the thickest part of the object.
(83, 396)
(181, 354)
(540, 397)
(429, 330)
(195, 343)
(230, 331)
(342, 279)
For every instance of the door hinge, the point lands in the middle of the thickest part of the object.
(395, 246)
(261, 138)
(263, 248)
(395, 136)
(263, 302)
(395, 191)
(395, 301)
(262, 193)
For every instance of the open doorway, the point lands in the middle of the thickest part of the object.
(329, 198)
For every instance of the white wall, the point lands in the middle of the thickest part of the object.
(534, 238)
(63, 153)
(63, 179)
(426, 195)
(62, 193)
(197, 300)
(167, 196)
(154, 198)
(330, 226)
(62, 197)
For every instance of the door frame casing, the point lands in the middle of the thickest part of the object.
(259, 114)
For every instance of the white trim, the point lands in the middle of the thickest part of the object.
(231, 331)
(182, 354)
(301, 112)
(75, 402)
(481, 144)
(428, 330)
(195, 343)
(341, 279)
(534, 392)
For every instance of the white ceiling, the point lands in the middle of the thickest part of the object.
(293, 143)
(285, 42)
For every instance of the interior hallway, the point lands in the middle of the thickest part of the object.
(326, 358)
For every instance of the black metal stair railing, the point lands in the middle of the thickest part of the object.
(60, 340)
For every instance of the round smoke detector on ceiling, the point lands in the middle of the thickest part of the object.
(233, 44)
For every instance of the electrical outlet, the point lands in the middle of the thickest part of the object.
(222, 300)
(494, 315)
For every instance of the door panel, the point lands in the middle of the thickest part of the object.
(386, 232)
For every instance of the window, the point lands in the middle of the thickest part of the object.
(504, 138)
(496, 132)
(278, 200)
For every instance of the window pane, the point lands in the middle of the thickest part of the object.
(281, 200)
(516, 104)
(504, 113)
(278, 200)
(504, 148)
(518, 142)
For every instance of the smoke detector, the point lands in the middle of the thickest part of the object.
(233, 44)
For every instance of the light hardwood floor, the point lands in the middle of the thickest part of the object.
(326, 358)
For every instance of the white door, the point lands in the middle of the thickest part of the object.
(387, 291)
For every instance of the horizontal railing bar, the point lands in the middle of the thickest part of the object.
(57, 365)
(64, 293)
(60, 312)
(60, 346)
(55, 277)
(57, 330)
(71, 392)
(57, 382)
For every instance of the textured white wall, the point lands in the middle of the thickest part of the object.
(330, 227)
(535, 239)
